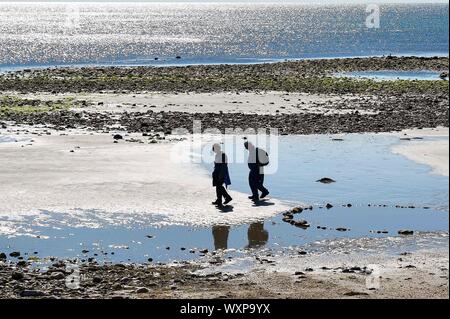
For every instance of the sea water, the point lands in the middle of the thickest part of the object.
(39, 34)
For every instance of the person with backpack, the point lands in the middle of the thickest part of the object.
(257, 159)
(221, 176)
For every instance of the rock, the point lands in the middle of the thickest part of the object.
(57, 276)
(302, 224)
(2, 256)
(326, 180)
(405, 232)
(32, 293)
(342, 229)
(142, 290)
(22, 263)
(97, 280)
(347, 271)
(297, 210)
(17, 275)
(14, 254)
(443, 75)
(118, 137)
(355, 293)
(287, 217)
(329, 206)
(117, 287)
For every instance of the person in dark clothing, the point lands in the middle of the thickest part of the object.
(221, 176)
(257, 159)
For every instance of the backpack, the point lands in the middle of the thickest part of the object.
(262, 157)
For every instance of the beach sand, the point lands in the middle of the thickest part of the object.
(263, 103)
(76, 174)
(432, 153)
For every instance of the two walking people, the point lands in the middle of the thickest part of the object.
(257, 160)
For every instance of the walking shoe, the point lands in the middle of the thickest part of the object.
(264, 194)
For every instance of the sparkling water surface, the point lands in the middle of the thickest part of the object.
(137, 33)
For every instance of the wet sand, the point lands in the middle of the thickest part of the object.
(261, 103)
(78, 173)
(432, 153)
(359, 275)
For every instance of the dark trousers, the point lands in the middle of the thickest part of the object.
(256, 181)
(222, 193)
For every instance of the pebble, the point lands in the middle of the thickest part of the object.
(405, 232)
(32, 293)
(142, 290)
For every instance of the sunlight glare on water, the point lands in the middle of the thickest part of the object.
(56, 33)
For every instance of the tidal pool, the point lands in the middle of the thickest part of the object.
(388, 75)
(376, 182)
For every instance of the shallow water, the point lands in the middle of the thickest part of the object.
(393, 75)
(365, 170)
(132, 33)
(175, 243)
(363, 166)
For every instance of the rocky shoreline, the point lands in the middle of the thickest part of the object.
(395, 105)
(311, 76)
(421, 274)
(392, 115)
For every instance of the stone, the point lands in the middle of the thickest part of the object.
(329, 206)
(326, 180)
(32, 293)
(57, 276)
(2, 256)
(405, 232)
(118, 137)
(142, 290)
(302, 224)
(14, 254)
(17, 275)
(355, 293)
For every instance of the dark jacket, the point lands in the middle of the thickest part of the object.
(221, 174)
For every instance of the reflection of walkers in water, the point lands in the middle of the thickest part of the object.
(257, 235)
(257, 159)
(221, 176)
(220, 234)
